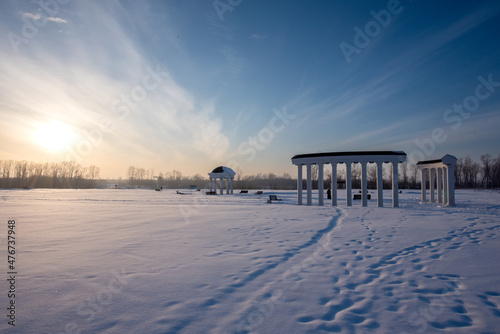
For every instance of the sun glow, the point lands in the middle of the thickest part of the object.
(55, 136)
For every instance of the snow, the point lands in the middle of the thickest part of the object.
(140, 261)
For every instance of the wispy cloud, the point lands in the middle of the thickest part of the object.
(258, 37)
(79, 89)
(40, 17)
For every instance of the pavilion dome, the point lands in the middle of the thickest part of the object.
(223, 171)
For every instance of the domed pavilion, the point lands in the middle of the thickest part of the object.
(222, 173)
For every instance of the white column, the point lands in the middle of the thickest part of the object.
(380, 185)
(395, 187)
(423, 172)
(445, 185)
(451, 185)
(440, 185)
(364, 185)
(299, 185)
(320, 185)
(334, 184)
(348, 188)
(227, 186)
(309, 185)
(221, 186)
(431, 184)
(231, 186)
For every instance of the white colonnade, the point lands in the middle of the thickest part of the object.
(440, 172)
(347, 158)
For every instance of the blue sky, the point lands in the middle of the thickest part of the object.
(190, 85)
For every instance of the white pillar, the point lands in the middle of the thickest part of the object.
(395, 187)
(309, 185)
(227, 186)
(423, 173)
(221, 186)
(445, 185)
(348, 188)
(431, 184)
(299, 185)
(320, 185)
(451, 185)
(440, 185)
(380, 185)
(231, 186)
(334, 184)
(364, 185)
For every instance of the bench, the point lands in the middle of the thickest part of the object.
(244, 192)
(210, 193)
(273, 198)
(259, 192)
(358, 196)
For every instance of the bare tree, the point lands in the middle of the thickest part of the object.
(486, 160)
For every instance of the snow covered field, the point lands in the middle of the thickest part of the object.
(140, 261)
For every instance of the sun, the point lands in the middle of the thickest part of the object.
(55, 136)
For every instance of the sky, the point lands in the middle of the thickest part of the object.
(192, 85)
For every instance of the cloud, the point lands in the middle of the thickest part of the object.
(76, 81)
(40, 17)
(258, 37)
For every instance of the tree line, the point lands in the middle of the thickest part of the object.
(29, 174)
(69, 174)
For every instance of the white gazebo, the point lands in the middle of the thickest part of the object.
(441, 173)
(222, 173)
(348, 158)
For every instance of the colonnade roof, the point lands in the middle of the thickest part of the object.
(448, 159)
(349, 153)
(350, 157)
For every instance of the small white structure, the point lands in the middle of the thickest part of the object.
(222, 173)
(348, 158)
(441, 172)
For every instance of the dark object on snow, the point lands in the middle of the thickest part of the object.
(210, 193)
(273, 198)
(260, 192)
(329, 193)
(358, 196)
(244, 192)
